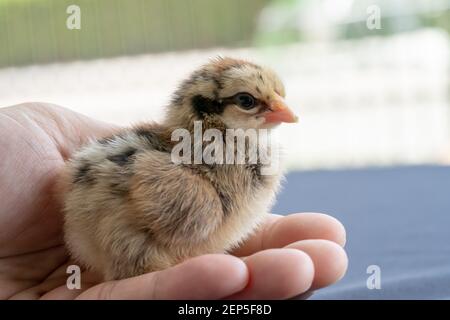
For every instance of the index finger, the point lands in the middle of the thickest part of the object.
(212, 276)
(278, 231)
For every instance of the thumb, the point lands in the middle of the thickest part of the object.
(212, 276)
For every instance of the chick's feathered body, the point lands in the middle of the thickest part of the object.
(129, 209)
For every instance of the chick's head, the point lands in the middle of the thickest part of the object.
(235, 92)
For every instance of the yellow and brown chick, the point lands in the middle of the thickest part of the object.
(130, 209)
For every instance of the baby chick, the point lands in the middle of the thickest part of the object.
(129, 209)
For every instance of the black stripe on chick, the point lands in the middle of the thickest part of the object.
(226, 201)
(119, 189)
(205, 106)
(152, 139)
(84, 174)
(122, 158)
(255, 170)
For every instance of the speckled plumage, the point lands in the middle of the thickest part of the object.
(129, 209)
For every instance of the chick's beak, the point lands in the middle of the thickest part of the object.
(279, 112)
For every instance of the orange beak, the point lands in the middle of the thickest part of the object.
(279, 112)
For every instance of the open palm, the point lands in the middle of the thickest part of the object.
(287, 257)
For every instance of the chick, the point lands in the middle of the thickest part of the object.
(129, 209)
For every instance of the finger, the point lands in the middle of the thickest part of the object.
(279, 231)
(204, 277)
(63, 292)
(329, 259)
(253, 244)
(277, 274)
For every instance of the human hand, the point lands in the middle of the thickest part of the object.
(286, 257)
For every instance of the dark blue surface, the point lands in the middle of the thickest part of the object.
(397, 218)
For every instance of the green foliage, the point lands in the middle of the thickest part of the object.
(34, 31)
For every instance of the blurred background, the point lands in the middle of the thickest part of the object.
(370, 81)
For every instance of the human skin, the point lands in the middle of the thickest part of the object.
(287, 257)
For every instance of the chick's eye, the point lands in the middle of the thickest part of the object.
(245, 100)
